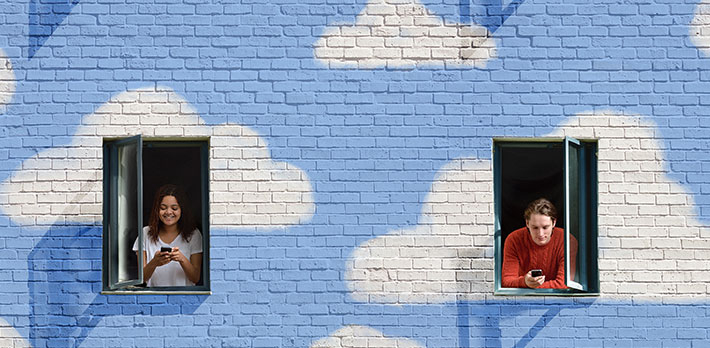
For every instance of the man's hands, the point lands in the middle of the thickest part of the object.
(533, 282)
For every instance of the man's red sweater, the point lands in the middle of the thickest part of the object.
(521, 254)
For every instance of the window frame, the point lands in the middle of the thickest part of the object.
(111, 181)
(110, 174)
(587, 190)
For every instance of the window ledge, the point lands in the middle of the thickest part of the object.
(156, 292)
(543, 292)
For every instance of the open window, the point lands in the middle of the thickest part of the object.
(565, 172)
(134, 168)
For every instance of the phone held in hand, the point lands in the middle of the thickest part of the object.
(166, 249)
(536, 272)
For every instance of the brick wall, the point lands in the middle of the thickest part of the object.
(64, 184)
(351, 184)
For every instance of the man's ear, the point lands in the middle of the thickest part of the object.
(554, 222)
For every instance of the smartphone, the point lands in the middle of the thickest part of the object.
(165, 249)
(536, 272)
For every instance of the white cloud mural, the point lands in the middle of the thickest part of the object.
(448, 253)
(7, 81)
(651, 243)
(700, 27)
(356, 336)
(9, 337)
(247, 188)
(403, 34)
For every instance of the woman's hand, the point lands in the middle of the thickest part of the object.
(177, 255)
(533, 282)
(191, 266)
(161, 258)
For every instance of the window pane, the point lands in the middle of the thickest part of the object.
(573, 213)
(125, 215)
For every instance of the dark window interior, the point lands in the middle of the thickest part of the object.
(177, 165)
(529, 173)
(173, 164)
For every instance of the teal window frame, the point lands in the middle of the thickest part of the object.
(115, 163)
(112, 187)
(580, 213)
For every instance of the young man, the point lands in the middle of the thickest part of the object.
(537, 246)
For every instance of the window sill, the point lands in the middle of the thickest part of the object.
(156, 292)
(543, 292)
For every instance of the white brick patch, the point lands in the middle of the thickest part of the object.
(699, 28)
(7, 81)
(247, 187)
(650, 241)
(403, 33)
(441, 257)
(9, 337)
(355, 336)
(648, 212)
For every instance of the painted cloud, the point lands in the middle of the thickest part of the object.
(356, 336)
(7, 80)
(650, 242)
(448, 253)
(403, 33)
(700, 27)
(9, 337)
(64, 184)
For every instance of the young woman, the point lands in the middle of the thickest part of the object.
(171, 226)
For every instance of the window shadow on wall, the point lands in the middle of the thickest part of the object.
(64, 287)
(490, 14)
(44, 18)
(479, 320)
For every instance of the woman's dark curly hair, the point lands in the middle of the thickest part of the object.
(186, 224)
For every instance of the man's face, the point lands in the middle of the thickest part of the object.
(540, 227)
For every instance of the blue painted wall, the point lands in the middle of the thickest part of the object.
(371, 142)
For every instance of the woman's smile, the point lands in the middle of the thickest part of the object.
(169, 211)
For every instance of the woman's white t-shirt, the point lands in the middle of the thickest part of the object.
(170, 274)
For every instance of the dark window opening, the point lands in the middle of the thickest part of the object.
(540, 175)
(134, 169)
(565, 173)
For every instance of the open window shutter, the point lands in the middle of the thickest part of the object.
(126, 213)
(575, 213)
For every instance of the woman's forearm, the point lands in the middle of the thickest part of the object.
(192, 267)
(148, 270)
